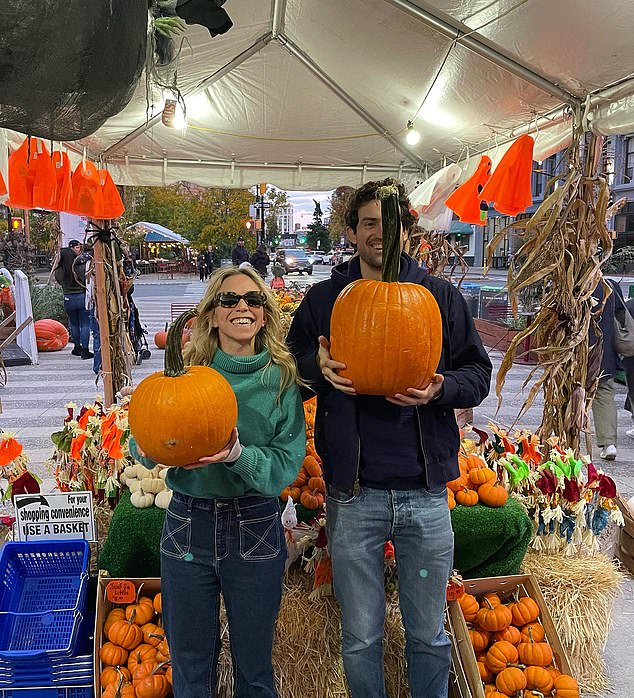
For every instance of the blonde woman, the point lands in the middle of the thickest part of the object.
(222, 531)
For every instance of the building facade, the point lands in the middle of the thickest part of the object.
(285, 220)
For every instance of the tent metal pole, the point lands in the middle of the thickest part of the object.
(464, 36)
(345, 97)
(279, 17)
(207, 82)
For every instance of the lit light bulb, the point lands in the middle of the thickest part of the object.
(413, 136)
(180, 120)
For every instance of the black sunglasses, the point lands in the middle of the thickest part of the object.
(254, 299)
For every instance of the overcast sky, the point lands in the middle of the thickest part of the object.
(303, 204)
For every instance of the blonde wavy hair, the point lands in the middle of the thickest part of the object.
(204, 340)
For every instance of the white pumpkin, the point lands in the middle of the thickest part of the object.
(122, 478)
(152, 484)
(142, 500)
(130, 470)
(163, 473)
(134, 485)
(163, 499)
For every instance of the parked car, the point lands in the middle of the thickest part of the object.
(316, 257)
(295, 260)
(340, 256)
(327, 258)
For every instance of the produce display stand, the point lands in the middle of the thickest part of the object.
(505, 587)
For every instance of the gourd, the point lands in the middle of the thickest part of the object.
(112, 654)
(493, 618)
(163, 499)
(126, 634)
(153, 485)
(469, 606)
(565, 687)
(510, 681)
(50, 335)
(501, 655)
(524, 611)
(141, 499)
(133, 485)
(493, 494)
(538, 678)
(181, 414)
(367, 312)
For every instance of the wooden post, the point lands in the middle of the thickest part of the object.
(103, 321)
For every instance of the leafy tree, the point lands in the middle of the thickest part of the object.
(338, 203)
(318, 234)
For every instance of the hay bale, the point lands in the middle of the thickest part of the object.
(580, 593)
(307, 646)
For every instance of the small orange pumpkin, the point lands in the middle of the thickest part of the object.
(510, 681)
(485, 673)
(539, 679)
(114, 615)
(312, 500)
(490, 599)
(493, 494)
(141, 612)
(154, 686)
(524, 611)
(510, 634)
(160, 338)
(467, 497)
(126, 634)
(535, 653)
(311, 466)
(120, 689)
(317, 484)
(112, 654)
(493, 618)
(451, 500)
(111, 674)
(501, 655)
(480, 476)
(534, 630)
(479, 639)
(565, 687)
(143, 653)
(469, 606)
(157, 602)
(152, 634)
(457, 484)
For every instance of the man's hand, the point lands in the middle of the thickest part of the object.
(329, 368)
(219, 457)
(419, 397)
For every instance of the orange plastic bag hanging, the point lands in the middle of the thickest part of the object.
(64, 194)
(44, 181)
(87, 197)
(21, 176)
(467, 202)
(509, 188)
(112, 204)
(3, 187)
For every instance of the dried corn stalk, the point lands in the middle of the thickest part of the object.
(433, 250)
(565, 242)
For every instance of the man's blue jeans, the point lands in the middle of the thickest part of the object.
(234, 546)
(419, 525)
(78, 318)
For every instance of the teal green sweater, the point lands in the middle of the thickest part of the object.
(271, 431)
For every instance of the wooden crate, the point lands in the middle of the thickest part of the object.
(151, 585)
(505, 587)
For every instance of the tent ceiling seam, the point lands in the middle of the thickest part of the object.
(278, 18)
(334, 86)
(485, 48)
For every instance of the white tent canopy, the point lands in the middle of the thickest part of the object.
(309, 94)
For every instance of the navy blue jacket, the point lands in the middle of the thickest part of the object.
(464, 364)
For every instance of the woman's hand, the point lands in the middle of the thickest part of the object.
(221, 456)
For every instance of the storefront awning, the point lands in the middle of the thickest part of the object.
(460, 228)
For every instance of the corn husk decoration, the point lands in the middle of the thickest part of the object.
(564, 244)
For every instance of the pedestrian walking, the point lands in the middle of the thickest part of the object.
(70, 275)
(386, 463)
(239, 253)
(203, 268)
(260, 261)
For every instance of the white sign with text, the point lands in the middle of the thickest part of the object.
(56, 516)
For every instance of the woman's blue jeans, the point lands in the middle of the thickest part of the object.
(418, 524)
(233, 546)
(78, 318)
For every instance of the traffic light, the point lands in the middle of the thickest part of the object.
(17, 225)
(248, 225)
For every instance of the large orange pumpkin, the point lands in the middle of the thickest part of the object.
(182, 414)
(50, 335)
(389, 334)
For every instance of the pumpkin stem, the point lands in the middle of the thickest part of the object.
(391, 225)
(174, 363)
(487, 601)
